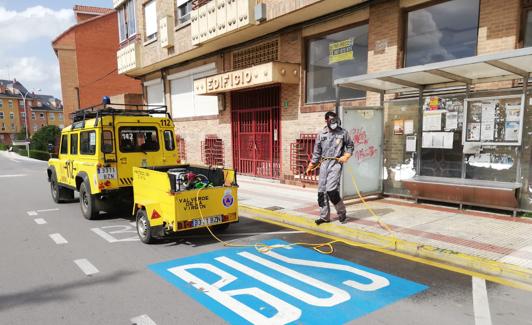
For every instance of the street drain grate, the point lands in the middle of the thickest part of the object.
(274, 208)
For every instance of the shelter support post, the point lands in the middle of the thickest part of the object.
(419, 131)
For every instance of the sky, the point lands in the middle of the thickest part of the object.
(27, 28)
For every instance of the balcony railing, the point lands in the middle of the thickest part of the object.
(128, 58)
(214, 18)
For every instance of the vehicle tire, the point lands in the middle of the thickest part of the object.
(87, 201)
(221, 228)
(59, 193)
(144, 228)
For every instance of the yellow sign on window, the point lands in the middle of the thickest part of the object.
(341, 51)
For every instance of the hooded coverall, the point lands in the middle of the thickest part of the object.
(331, 143)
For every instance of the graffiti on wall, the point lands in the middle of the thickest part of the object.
(364, 150)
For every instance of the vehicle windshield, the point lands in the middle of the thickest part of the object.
(138, 139)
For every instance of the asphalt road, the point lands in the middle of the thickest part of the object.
(46, 251)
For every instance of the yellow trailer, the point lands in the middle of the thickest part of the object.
(173, 199)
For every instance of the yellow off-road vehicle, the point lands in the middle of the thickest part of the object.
(127, 159)
(98, 151)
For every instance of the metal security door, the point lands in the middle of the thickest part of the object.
(255, 125)
(365, 127)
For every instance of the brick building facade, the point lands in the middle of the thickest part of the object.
(293, 29)
(87, 60)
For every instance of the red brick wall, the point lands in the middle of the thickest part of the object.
(96, 47)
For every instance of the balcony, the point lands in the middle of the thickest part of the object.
(215, 18)
(128, 58)
(117, 3)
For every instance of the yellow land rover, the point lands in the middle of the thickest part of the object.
(98, 151)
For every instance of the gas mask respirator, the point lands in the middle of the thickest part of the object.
(333, 123)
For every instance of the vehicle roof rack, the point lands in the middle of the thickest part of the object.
(108, 110)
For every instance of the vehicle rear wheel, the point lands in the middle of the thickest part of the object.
(144, 228)
(59, 193)
(87, 202)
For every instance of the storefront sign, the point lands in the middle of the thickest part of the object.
(341, 51)
(268, 73)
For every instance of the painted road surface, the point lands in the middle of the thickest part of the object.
(102, 274)
(283, 286)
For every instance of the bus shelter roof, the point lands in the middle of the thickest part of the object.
(511, 65)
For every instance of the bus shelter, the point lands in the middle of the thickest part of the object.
(456, 131)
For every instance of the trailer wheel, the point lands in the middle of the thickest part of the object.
(87, 201)
(58, 192)
(221, 228)
(144, 228)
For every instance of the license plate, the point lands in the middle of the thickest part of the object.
(106, 173)
(206, 221)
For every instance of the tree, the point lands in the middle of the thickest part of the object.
(45, 136)
(21, 135)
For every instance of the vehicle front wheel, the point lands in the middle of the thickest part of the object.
(144, 228)
(87, 202)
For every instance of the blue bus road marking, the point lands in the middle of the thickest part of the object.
(283, 286)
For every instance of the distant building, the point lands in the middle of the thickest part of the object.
(87, 60)
(41, 110)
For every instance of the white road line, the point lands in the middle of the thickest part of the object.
(481, 305)
(32, 213)
(14, 175)
(39, 221)
(48, 210)
(142, 320)
(58, 239)
(86, 266)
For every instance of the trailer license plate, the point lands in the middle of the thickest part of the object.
(106, 173)
(206, 221)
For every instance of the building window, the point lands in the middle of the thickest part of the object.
(52, 116)
(183, 9)
(21, 103)
(212, 150)
(39, 103)
(184, 102)
(3, 126)
(1, 103)
(23, 115)
(41, 115)
(10, 103)
(60, 116)
(12, 115)
(150, 20)
(32, 115)
(13, 126)
(154, 92)
(441, 32)
(35, 128)
(1, 115)
(332, 56)
(127, 25)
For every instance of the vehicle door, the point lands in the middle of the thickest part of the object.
(63, 156)
(71, 169)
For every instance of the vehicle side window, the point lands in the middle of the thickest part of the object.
(64, 144)
(107, 142)
(169, 143)
(138, 139)
(87, 143)
(73, 144)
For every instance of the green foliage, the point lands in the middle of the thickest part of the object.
(41, 155)
(3, 147)
(21, 135)
(46, 135)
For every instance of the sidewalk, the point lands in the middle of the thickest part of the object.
(487, 243)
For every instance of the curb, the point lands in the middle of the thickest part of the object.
(387, 244)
